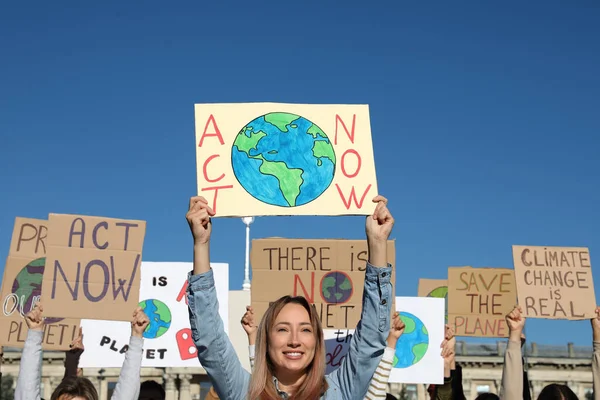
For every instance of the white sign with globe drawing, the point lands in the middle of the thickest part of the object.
(167, 340)
(418, 354)
(285, 159)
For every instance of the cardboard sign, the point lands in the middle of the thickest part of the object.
(479, 299)
(22, 287)
(168, 339)
(417, 358)
(329, 273)
(285, 159)
(555, 282)
(93, 267)
(437, 288)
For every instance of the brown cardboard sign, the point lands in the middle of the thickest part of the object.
(437, 288)
(329, 273)
(479, 299)
(93, 267)
(555, 282)
(22, 288)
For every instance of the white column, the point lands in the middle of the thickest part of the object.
(170, 391)
(47, 389)
(421, 392)
(184, 387)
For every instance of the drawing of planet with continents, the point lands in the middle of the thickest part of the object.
(336, 287)
(283, 159)
(160, 318)
(28, 286)
(441, 293)
(413, 343)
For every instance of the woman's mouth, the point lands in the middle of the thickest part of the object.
(293, 355)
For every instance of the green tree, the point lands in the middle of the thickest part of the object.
(589, 395)
(403, 395)
(6, 389)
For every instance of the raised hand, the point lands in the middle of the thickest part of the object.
(139, 323)
(35, 318)
(379, 225)
(516, 322)
(77, 343)
(449, 338)
(596, 326)
(249, 325)
(198, 218)
(396, 330)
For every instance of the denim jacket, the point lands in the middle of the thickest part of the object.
(350, 381)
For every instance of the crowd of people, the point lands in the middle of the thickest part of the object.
(287, 348)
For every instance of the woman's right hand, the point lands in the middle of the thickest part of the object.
(516, 322)
(198, 218)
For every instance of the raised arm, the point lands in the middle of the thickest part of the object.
(445, 391)
(596, 355)
(128, 385)
(369, 340)
(215, 351)
(72, 356)
(30, 370)
(250, 327)
(512, 371)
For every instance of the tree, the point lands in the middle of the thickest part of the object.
(6, 389)
(589, 395)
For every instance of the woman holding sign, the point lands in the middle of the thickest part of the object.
(290, 350)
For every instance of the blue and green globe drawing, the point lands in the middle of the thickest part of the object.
(283, 159)
(413, 343)
(27, 286)
(160, 318)
(336, 287)
(441, 293)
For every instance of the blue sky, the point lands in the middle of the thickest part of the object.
(484, 117)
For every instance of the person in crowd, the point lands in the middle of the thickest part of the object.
(74, 387)
(378, 384)
(151, 390)
(290, 351)
(447, 391)
(512, 372)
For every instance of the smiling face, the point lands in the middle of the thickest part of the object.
(292, 341)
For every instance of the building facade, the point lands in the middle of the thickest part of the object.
(481, 365)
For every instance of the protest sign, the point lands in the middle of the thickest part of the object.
(329, 273)
(93, 267)
(437, 288)
(417, 358)
(285, 159)
(555, 282)
(168, 338)
(22, 287)
(479, 299)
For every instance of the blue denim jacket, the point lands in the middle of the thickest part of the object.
(350, 381)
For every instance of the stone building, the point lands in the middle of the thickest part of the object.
(481, 363)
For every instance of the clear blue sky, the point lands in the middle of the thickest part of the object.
(485, 119)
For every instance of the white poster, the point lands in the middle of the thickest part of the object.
(167, 340)
(418, 353)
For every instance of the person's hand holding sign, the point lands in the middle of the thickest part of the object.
(139, 323)
(516, 322)
(378, 228)
(35, 318)
(198, 218)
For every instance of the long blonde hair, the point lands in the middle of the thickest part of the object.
(261, 382)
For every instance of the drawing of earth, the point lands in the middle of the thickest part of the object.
(283, 159)
(160, 318)
(28, 286)
(441, 293)
(336, 287)
(413, 343)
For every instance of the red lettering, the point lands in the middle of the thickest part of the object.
(204, 169)
(185, 344)
(297, 280)
(351, 151)
(348, 202)
(216, 132)
(216, 189)
(181, 294)
(350, 134)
